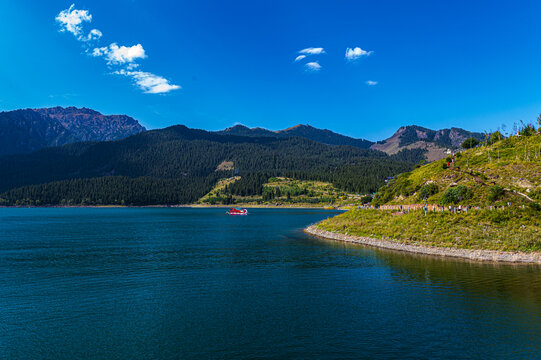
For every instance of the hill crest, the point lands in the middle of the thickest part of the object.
(436, 143)
(507, 171)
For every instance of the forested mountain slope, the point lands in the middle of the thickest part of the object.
(180, 154)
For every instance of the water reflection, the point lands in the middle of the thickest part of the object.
(517, 282)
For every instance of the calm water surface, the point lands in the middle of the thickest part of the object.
(197, 284)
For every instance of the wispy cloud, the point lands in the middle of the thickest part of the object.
(353, 54)
(148, 82)
(313, 66)
(371, 82)
(312, 51)
(120, 59)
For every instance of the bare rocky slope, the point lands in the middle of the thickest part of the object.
(437, 143)
(28, 130)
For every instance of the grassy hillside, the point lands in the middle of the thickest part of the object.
(502, 179)
(506, 171)
(282, 191)
(512, 229)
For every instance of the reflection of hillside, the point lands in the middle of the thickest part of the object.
(521, 283)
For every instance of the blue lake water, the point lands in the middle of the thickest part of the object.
(180, 283)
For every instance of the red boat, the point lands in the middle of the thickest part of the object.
(234, 211)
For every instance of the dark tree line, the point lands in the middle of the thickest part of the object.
(111, 190)
(178, 165)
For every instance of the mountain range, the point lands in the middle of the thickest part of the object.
(27, 130)
(435, 144)
(66, 156)
(178, 165)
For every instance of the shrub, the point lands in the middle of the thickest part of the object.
(427, 191)
(470, 143)
(495, 192)
(444, 166)
(366, 199)
(536, 194)
(535, 207)
(403, 185)
(527, 130)
(383, 196)
(455, 195)
(495, 137)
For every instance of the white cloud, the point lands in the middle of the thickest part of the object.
(132, 66)
(300, 57)
(123, 58)
(120, 54)
(312, 51)
(313, 66)
(94, 34)
(100, 51)
(148, 82)
(355, 53)
(371, 82)
(71, 20)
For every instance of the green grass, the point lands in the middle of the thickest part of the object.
(513, 163)
(513, 229)
(301, 193)
(484, 176)
(215, 193)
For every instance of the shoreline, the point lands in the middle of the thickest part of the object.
(468, 254)
(169, 206)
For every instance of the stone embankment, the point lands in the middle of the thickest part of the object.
(477, 255)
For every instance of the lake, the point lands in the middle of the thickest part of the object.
(182, 283)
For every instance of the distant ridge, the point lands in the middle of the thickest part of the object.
(436, 143)
(241, 130)
(305, 131)
(90, 125)
(28, 130)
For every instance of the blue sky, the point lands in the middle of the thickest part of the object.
(471, 64)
